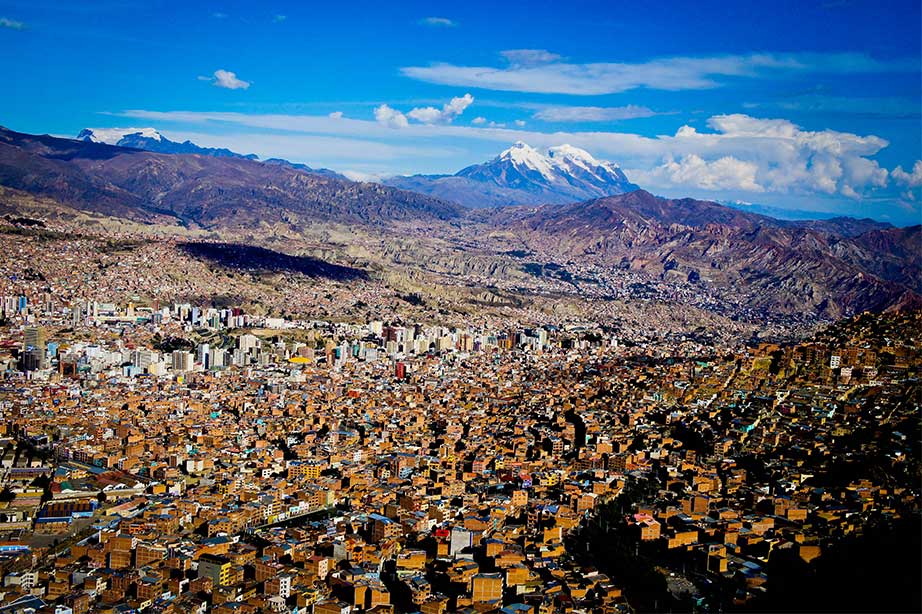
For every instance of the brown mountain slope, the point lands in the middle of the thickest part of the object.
(773, 265)
(205, 191)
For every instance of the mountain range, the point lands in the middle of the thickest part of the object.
(150, 139)
(756, 263)
(831, 266)
(201, 190)
(521, 175)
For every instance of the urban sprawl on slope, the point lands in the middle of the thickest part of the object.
(183, 458)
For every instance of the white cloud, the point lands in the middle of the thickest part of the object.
(336, 115)
(520, 123)
(228, 80)
(725, 173)
(540, 71)
(592, 114)
(279, 18)
(479, 120)
(425, 115)
(365, 176)
(11, 24)
(438, 22)
(529, 57)
(912, 179)
(457, 104)
(776, 155)
(392, 118)
(448, 112)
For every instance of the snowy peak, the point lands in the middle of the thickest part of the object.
(568, 152)
(563, 173)
(569, 159)
(519, 151)
(560, 157)
(149, 139)
(112, 136)
(524, 156)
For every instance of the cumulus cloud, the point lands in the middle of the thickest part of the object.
(912, 179)
(392, 118)
(756, 155)
(727, 173)
(227, 79)
(429, 116)
(336, 115)
(479, 120)
(438, 22)
(540, 71)
(592, 114)
(11, 24)
(448, 112)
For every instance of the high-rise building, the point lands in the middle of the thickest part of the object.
(204, 355)
(143, 358)
(248, 342)
(33, 348)
(218, 358)
(34, 337)
(181, 360)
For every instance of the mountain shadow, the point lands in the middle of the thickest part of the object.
(251, 258)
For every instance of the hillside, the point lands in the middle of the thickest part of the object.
(211, 192)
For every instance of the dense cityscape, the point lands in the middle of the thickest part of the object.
(188, 458)
(512, 307)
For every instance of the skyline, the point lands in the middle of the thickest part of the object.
(686, 104)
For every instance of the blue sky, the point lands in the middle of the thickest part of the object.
(802, 105)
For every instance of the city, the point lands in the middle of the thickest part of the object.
(183, 458)
(490, 308)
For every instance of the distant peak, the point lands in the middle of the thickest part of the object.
(559, 156)
(111, 136)
(523, 155)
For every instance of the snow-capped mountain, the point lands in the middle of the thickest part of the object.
(112, 136)
(149, 139)
(524, 175)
